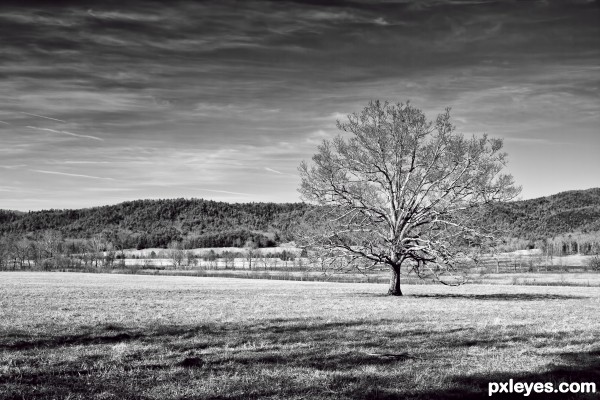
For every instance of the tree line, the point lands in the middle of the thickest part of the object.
(48, 250)
(156, 223)
(196, 223)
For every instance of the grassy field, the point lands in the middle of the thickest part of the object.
(107, 336)
(589, 279)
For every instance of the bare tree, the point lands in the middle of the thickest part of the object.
(401, 190)
(229, 259)
(7, 251)
(191, 259)
(4, 253)
(109, 255)
(96, 245)
(23, 252)
(176, 254)
(251, 251)
(50, 245)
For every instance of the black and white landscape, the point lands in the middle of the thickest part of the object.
(212, 199)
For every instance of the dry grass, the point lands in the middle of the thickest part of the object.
(97, 336)
(543, 278)
(589, 279)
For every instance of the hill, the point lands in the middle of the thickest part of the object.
(204, 223)
(576, 211)
(156, 223)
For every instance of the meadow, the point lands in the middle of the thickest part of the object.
(110, 336)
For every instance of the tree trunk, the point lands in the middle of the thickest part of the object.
(395, 281)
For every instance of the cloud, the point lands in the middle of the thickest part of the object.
(85, 162)
(534, 141)
(275, 171)
(72, 175)
(107, 189)
(204, 94)
(317, 137)
(224, 191)
(66, 133)
(41, 116)
(12, 166)
(126, 16)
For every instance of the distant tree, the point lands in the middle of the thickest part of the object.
(594, 263)
(23, 251)
(96, 245)
(176, 254)
(50, 243)
(210, 256)
(251, 251)
(109, 254)
(7, 243)
(401, 190)
(191, 259)
(229, 259)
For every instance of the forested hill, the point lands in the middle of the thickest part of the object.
(156, 223)
(545, 217)
(204, 223)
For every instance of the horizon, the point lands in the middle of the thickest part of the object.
(243, 202)
(108, 102)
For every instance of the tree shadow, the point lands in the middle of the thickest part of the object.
(350, 353)
(501, 296)
(102, 334)
(573, 367)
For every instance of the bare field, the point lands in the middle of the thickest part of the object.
(107, 336)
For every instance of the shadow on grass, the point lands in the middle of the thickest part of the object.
(571, 368)
(501, 296)
(349, 359)
(114, 334)
(103, 334)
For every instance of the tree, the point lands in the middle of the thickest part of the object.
(398, 190)
(50, 244)
(7, 243)
(22, 251)
(176, 254)
(96, 245)
(251, 251)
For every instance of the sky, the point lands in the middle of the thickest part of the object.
(105, 101)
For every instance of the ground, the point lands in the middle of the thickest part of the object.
(107, 336)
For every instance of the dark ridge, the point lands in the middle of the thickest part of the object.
(206, 223)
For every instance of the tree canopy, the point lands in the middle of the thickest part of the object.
(397, 189)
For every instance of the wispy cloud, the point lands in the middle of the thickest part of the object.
(85, 162)
(66, 133)
(232, 93)
(225, 191)
(13, 166)
(42, 116)
(536, 141)
(272, 170)
(278, 172)
(72, 175)
(107, 189)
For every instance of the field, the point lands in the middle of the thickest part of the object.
(109, 336)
